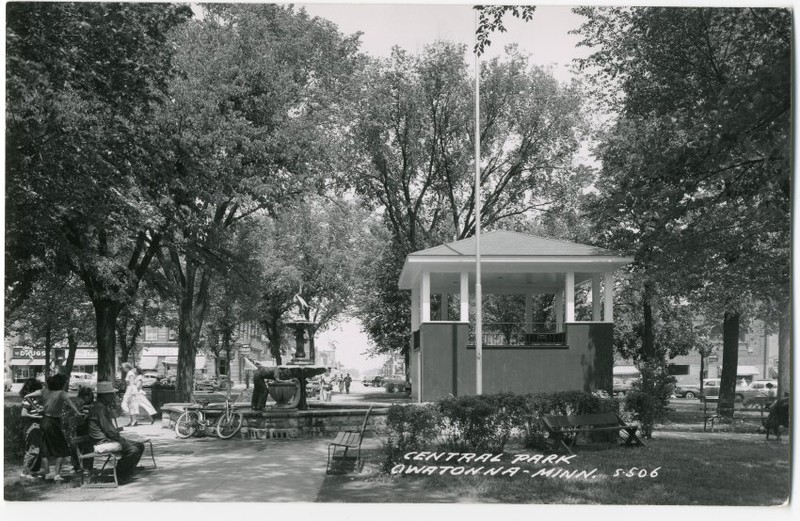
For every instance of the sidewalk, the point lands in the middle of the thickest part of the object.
(210, 469)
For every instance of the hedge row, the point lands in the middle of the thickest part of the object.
(483, 423)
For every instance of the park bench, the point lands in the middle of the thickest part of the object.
(344, 442)
(716, 412)
(564, 430)
(109, 460)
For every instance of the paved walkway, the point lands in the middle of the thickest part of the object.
(210, 469)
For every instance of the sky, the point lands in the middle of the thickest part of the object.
(413, 26)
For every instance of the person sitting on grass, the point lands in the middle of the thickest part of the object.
(104, 433)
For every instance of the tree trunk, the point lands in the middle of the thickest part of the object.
(72, 348)
(48, 342)
(274, 335)
(192, 307)
(730, 361)
(784, 351)
(186, 348)
(648, 335)
(226, 345)
(106, 312)
(122, 336)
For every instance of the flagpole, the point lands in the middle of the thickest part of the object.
(478, 291)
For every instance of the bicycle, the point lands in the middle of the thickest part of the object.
(193, 421)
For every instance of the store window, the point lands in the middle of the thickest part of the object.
(678, 370)
(150, 334)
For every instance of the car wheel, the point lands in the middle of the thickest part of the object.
(739, 398)
(689, 395)
(392, 388)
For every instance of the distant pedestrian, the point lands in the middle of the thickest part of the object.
(340, 381)
(130, 398)
(140, 400)
(326, 386)
(347, 380)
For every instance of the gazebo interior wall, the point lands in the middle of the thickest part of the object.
(506, 283)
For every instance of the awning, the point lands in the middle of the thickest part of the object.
(248, 365)
(747, 370)
(626, 370)
(148, 362)
(26, 361)
(85, 361)
(199, 361)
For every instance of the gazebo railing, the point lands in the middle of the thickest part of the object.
(520, 334)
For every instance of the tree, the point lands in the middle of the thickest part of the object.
(250, 129)
(696, 166)
(83, 169)
(55, 311)
(149, 308)
(413, 149)
(315, 252)
(234, 295)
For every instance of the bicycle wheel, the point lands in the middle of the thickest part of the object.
(229, 424)
(188, 423)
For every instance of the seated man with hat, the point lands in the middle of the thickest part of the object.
(102, 430)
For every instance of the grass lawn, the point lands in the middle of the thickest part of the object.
(696, 469)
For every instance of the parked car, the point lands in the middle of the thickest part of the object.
(78, 379)
(711, 388)
(149, 378)
(375, 381)
(622, 385)
(206, 383)
(395, 383)
(689, 391)
(760, 390)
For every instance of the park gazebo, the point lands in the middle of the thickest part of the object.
(559, 354)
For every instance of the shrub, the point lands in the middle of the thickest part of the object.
(649, 400)
(408, 427)
(479, 423)
(14, 433)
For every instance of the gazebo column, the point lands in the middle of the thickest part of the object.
(426, 296)
(415, 314)
(529, 313)
(608, 297)
(464, 304)
(596, 297)
(569, 293)
(559, 304)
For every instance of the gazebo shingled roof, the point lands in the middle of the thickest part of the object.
(510, 243)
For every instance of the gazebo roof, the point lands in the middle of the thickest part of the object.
(509, 243)
(511, 258)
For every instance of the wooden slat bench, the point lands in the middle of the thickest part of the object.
(715, 412)
(564, 430)
(109, 460)
(347, 440)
